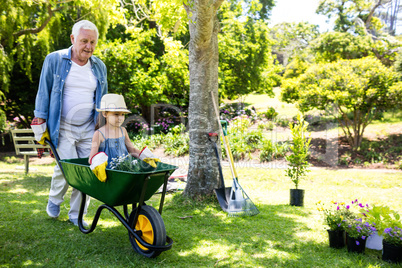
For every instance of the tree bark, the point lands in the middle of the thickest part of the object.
(203, 64)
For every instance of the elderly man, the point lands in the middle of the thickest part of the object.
(71, 86)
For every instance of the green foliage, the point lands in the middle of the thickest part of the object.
(3, 120)
(295, 68)
(298, 165)
(269, 125)
(151, 141)
(145, 76)
(269, 114)
(360, 87)
(335, 215)
(177, 141)
(245, 59)
(348, 12)
(29, 30)
(398, 64)
(381, 217)
(129, 163)
(393, 235)
(270, 151)
(333, 46)
(292, 39)
(357, 228)
(239, 125)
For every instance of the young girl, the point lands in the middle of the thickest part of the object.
(112, 138)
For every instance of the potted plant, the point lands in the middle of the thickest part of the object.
(357, 232)
(381, 217)
(335, 218)
(298, 165)
(392, 244)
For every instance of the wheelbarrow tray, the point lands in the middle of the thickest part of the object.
(120, 188)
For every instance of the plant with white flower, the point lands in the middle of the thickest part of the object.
(125, 163)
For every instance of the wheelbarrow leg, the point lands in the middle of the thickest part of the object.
(163, 193)
(140, 202)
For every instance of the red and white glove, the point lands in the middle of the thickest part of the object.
(40, 131)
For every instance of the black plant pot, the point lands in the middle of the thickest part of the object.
(357, 245)
(391, 253)
(296, 197)
(336, 238)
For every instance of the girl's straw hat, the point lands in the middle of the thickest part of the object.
(113, 103)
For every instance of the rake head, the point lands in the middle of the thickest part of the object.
(239, 204)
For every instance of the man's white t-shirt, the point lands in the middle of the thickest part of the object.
(79, 94)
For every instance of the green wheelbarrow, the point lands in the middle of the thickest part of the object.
(144, 223)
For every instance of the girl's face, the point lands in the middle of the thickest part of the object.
(114, 119)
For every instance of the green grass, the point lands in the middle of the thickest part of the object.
(280, 236)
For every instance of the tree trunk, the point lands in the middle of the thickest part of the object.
(203, 64)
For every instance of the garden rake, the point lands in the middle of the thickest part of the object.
(233, 200)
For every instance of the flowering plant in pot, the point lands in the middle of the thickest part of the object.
(392, 244)
(298, 165)
(357, 232)
(393, 235)
(335, 217)
(381, 217)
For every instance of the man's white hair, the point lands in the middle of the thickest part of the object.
(84, 24)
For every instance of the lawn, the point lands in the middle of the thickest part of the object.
(204, 236)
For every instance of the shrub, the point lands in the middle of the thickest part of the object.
(267, 151)
(270, 125)
(239, 124)
(269, 114)
(176, 142)
(270, 151)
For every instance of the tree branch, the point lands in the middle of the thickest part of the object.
(39, 29)
(370, 15)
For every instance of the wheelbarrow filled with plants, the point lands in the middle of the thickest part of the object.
(144, 223)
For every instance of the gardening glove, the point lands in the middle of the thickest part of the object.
(40, 131)
(148, 157)
(98, 166)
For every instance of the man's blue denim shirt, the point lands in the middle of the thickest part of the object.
(49, 98)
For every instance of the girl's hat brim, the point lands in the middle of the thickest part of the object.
(123, 110)
(113, 103)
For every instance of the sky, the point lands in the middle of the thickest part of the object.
(298, 11)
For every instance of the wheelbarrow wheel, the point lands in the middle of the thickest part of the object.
(150, 223)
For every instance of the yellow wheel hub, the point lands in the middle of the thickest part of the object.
(144, 225)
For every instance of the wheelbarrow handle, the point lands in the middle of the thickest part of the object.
(56, 155)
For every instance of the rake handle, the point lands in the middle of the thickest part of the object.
(225, 141)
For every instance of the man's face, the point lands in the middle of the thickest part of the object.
(83, 45)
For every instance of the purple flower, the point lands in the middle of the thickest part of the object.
(357, 242)
(363, 237)
(337, 208)
(347, 207)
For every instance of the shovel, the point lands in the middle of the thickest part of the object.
(238, 202)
